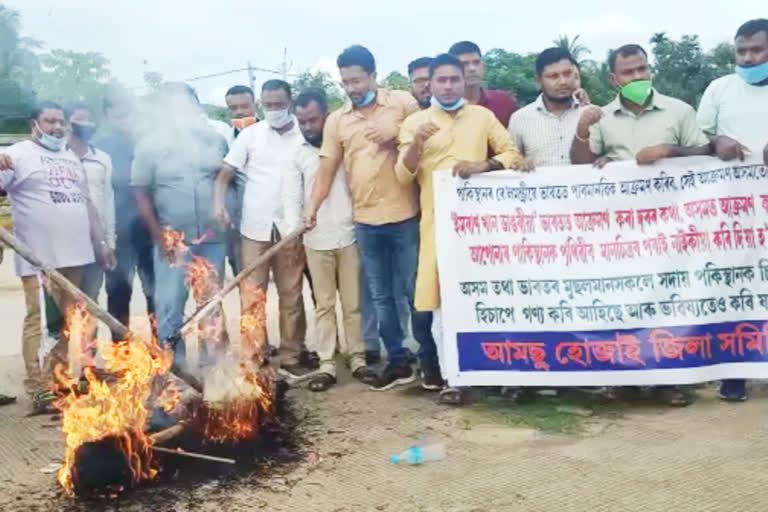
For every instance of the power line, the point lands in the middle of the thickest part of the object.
(240, 70)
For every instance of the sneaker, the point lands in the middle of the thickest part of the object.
(393, 376)
(431, 380)
(733, 390)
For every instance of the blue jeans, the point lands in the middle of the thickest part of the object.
(389, 255)
(133, 254)
(171, 293)
(370, 324)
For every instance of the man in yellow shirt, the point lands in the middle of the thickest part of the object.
(449, 134)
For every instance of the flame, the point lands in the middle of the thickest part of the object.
(115, 407)
(173, 241)
(238, 388)
(79, 330)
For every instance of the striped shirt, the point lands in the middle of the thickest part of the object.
(543, 136)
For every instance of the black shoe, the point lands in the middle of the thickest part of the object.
(309, 359)
(372, 357)
(393, 376)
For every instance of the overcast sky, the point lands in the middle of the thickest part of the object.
(184, 39)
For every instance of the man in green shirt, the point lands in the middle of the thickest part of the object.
(640, 123)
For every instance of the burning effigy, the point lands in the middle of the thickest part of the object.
(122, 416)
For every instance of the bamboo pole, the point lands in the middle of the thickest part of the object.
(169, 433)
(65, 284)
(93, 308)
(214, 301)
(194, 455)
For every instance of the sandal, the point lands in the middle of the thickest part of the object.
(5, 399)
(322, 382)
(675, 397)
(450, 396)
(365, 375)
(42, 403)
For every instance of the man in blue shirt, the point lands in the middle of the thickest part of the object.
(172, 177)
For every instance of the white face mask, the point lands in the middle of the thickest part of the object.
(278, 118)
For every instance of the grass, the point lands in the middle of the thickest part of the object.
(565, 413)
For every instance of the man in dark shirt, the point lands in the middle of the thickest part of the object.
(501, 103)
(134, 245)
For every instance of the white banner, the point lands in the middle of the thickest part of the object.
(622, 276)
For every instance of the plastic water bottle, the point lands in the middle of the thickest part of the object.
(419, 454)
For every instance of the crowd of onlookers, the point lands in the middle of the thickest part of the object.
(96, 206)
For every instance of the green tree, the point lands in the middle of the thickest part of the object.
(68, 76)
(320, 80)
(595, 80)
(683, 70)
(153, 80)
(18, 66)
(396, 80)
(576, 49)
(511, 72)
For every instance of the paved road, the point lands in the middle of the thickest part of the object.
(707, 457)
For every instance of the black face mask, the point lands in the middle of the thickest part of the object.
(84, 132)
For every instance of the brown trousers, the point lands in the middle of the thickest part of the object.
(288, 271)
(332, 270)
(31, 335)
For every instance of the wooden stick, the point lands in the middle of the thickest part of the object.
(25, 252)
(65, 284)
(214, 301)
(169, 433)
(184, 453)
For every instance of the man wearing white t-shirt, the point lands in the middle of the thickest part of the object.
(734, 114)
(332, 253)
(52, 215)
(264, 152)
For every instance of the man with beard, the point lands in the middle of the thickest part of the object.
(734, 114)
(501, 103)
(418, 74)
(640, 124)
(643, 125)
(543, 130)
(332, 253)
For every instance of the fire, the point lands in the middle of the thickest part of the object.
(114, 408)
(239, 388)
(173, 241)
(79, 331)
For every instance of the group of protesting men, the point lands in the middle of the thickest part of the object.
(359, 179)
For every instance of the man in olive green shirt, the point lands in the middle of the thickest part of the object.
(640, 123)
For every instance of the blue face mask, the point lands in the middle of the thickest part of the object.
(753, 74)
(51, 142)
(456, 105)
(367, 99)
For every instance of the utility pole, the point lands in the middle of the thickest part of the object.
(284, 67)
(251, 78)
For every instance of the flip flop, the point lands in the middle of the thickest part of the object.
(450, 396)
(322, 382)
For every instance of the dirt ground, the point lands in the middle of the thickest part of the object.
(333, 454)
